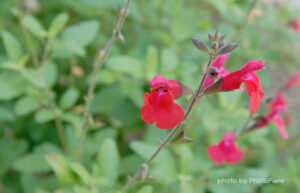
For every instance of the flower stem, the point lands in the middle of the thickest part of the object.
(245, 126)
(100, 58)
(194, 99)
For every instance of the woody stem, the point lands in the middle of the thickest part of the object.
(193, 100)
(100, 58)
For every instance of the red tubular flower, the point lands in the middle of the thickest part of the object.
(159, 104)
(173, 85)
(251, 80)
(295, 25)
(279, 104)
(293, 81)
(276, 107)
(255, 91)
(217, 64)
(226, 151)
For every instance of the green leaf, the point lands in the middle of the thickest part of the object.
(6, 114)
(60, 166)
(125, 114)
(82, 173)
(106, 100)
(9, 152)
(30, 183)
(47, 76)
(146, 189)
(107, 163)
(95, 141)
(11, 85)
(163, 165)
(130, 164)
(31, 163)
(69, 98)
(33, 25)
(145, 150)
(151, 62)
(12, 45)
(133, 91)
(65, 49)
(26, 105)
(169, 60)
(127, 65)
(44, 115)
(82, 34)
(186, 159)
(57, 24)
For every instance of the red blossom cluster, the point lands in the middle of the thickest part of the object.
(277, 107)
(160, 106)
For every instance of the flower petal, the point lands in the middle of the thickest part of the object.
(158, 81)
(160, 108)
(226, 151)
(176, 88)
(217, 64)
(147, 110)
(255, 91)
(279, 122)
(279, 104)
(216, 154)
(234, 156)
(293, 80)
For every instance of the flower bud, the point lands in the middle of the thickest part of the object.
(215, 45)
(210, 38)
(227, 49)
(222, 41)
(213, 72)
(216, 35)
(200, 45)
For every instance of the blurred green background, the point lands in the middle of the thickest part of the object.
(158, 40)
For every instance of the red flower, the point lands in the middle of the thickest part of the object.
(173, 85)
(226, 151)
(251, 80)
(159, 104)
(217, 64)
(294, 80)
(255, 91)
(276, 107)
(279, 104)
(295, 25)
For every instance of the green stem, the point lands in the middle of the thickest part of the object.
(100, 58)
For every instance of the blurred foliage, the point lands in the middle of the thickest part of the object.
(158, 35)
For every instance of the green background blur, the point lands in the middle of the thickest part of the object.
(158, 40)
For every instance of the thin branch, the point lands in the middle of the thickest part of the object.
(194, 99)
(245, 126)
(100, 58)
